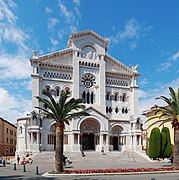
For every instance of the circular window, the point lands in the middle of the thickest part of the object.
(88, 80)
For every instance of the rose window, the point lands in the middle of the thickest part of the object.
(88, 80)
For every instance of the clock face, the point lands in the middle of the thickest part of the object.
(88, 52)
(88, 80)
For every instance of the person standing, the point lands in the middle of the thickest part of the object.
(18, 159)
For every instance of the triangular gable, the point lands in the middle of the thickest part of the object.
(114, 65)
(88, 33)
(62, 57)
(90, 109)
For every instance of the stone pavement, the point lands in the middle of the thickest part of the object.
(92, 160)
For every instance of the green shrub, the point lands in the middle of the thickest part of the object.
(155, 143)
(167, 151)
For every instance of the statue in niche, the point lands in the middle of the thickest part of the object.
(88, 52)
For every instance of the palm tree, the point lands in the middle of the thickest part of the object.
(169, 113)
(61, 111)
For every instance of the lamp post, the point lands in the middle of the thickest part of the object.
(6, 153)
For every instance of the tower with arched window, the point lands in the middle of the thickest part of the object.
(109, 90)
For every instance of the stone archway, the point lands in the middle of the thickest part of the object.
(116, 140)
(89, 134)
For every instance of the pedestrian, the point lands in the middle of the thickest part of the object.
(18, 159)
(102, 150)
(82, 153)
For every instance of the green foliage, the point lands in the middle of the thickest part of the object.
(163, 143)
(169, 113)
(167, 151)
(155, 143)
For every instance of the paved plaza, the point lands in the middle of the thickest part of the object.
(93, 160)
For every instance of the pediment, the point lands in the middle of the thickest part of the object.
(88, 37)
(113, 65)
(62, 57)
(94, 112)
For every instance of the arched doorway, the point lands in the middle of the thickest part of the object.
(89, 134)
(115, 143)
(116, 138)
(52, 136)
(88, 141)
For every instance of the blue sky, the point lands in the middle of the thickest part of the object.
(145, 33)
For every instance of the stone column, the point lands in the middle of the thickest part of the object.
(37, 137)
(78, 139)
(32, 141)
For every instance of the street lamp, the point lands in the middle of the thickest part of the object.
(6, 153)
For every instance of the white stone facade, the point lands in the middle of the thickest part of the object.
(108, 87)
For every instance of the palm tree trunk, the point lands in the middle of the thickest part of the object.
(59, 147)
(176, 146)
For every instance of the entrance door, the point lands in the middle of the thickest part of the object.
(115, 143)
(88, 141)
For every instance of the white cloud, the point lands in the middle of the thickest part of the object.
(12, 4)
(147, 98)
(13, 107)
(132, 32)
(27, 84)
(13, 35)
(54, 42)
(175, 56)
(14, 66)
(6, 13)
(77, 2)
(67, 14)
(169, 62)
(48, 10)
(52, 22)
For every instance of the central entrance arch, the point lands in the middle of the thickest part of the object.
(88, 141)
(89, 134)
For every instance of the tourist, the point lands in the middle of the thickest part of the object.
(18, 159)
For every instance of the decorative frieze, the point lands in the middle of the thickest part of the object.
(54, 55)
(56, 67)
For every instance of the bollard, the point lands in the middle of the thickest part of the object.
(24, 170)
(152, 178)
(14, 166)
(37, 170)
(4, 163)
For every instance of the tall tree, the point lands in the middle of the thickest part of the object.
(155, 143)
(169, 113)
(62, 111)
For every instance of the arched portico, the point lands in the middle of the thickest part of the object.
(89, 134)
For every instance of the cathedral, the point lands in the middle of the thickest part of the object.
(109, 89)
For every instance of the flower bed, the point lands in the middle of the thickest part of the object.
(117, 170)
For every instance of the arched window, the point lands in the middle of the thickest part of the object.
(116, 97)
(88, 97)
(92, 97)
(57, 91)
(108, 96)
(123, 110)
(47, 88)
(126, 110)
(116, 110)
(110, 110)
(124, 97)
(45, 106)
(107, 110)
(20, 129)
(84, 96)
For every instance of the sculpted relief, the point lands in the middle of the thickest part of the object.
(88, 52)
